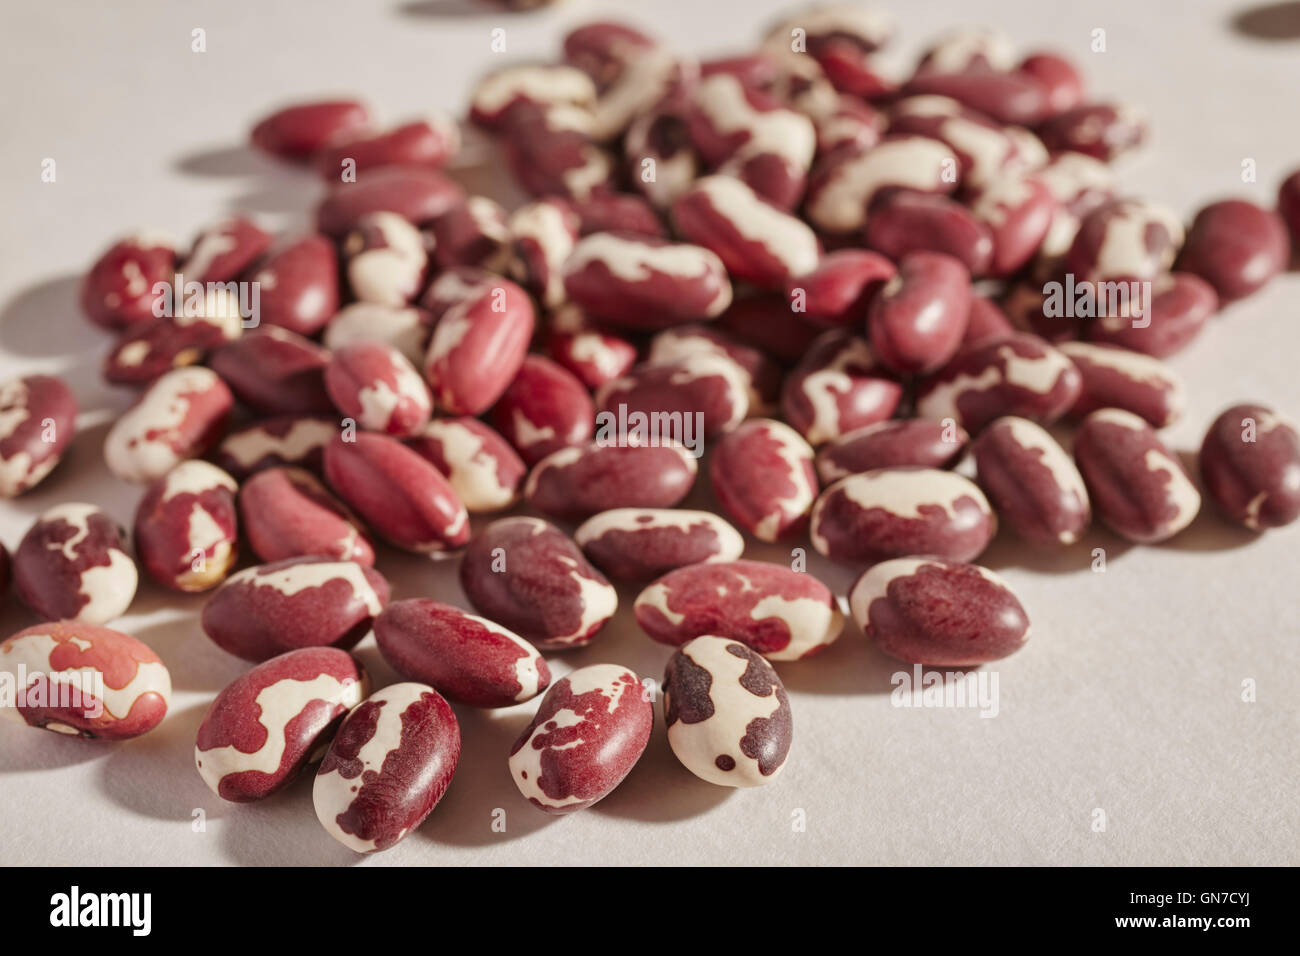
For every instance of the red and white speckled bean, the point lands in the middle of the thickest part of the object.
(708, 385)
(683, 341)
(782, 614)
(468, 658)
(496, 93)
(757, 242)
(1250, 466)
(83, 680)
(891, 512)
(898, 442)
(179, 416)
(405, 329)
(582, 480)
(38, 419)
(222, 251)
(841, 189)
(186, 532)
(1114, 377)
(1137, 485)
(298, 286)
(425, 142)
(388, 767)
(1032, 482)
(590, 730)
(266, 725)
(478, 346)
(901, 222)
(593, 355)
(398, 493)
(1124, 239)
(543, 409)
(1181, 304)
(71, 565)
(386, 259)
(299, 602)
(473, 233)
(635, 544)
(1018, 375)
(288, 513)
(375, 384)
(1100, 130)
(481, 467)
(837, 387)
(1018, 211)
(727, 713)
(530, 577)
(117, 292)
(943, 613)
(762, 475)
(283, 440)
(545, 233)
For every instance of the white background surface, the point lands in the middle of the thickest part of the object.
(1127, 698)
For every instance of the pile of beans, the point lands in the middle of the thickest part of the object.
(840, 275)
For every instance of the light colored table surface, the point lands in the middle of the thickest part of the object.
(1127, 698)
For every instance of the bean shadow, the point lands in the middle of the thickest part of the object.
(281, 830)
(1209, 530)
(1009, 550)
(193, 660)
(45, 320)
(154, 775)
(1269, 21)
(31, 748)
(455, 9)
(225, 162)
(659, 789)
(481, 791)
(852, 665)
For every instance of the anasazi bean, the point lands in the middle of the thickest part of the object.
(1250, 465)
(84, 681)
(928, 611)
(639, 543)
(263, 728)
(1032, 482)
(71, 565)
(586, 736)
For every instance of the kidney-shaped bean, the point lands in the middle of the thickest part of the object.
(299, 602)
(838, 386)
(634, 544)
(577, 482)
(186, 532)
(587, 735)
(890, 444)
(762, 475)
(276, 372)
(478, 345)
(40, 418)
(179, 416)
(481, 467)
(1236, 246)
(697, 396)
(780, 613)
(529, 576)
(377, 386)
(891, 512)
(1114, 377)
(468, 658)
(288, 513)
(1032, 482)
(917, 321)
(1250, 465)
(282, 440)
(71, 565)
(543, 409)
(265, 725)
(299, 131)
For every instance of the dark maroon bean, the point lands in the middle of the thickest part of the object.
(838, 387)
(428, 143)
(1181, 304)
(1250, 465)
(71, 565)
(418, 195)
(1137, 486)
(582, 480)
(902, 222)
(891, 512)
(633, 544)
(1031, 482)
(1101, 130)
(917, 321)
(762, 475)
(1288, 204)
(941, 613)
(1118, 378)
(275, 371)
(709, 388)
(298, 132)
(891, 444)
(298, 286)
(1236, 246)
(836, 294)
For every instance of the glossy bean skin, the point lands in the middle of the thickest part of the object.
(903, 222)
(299, 131)
(941, 613)
(387, 768)
(386, 259)
(181, 415)
(890, 512)
(1100, 130)
(727, 713)
(1113, 377)
(1125, 239)
(397, 493)
(72, 565)
(1032, 482)
(140, 356)
(543, 409)
(117, 293)
(478, 346)
(530, 577)
(580, 481)
(406, 329)
(636, 544)
(1288, 204)
(83, 680)
(837, 292)
(264, 727)
(431, 142)
(710, 389)
(467, 658)
(1250, 466)
(589, 732)
(40, 416)
(224, 250)
(481, 467)
(417, 195)
(298, 285)
(842, 188)
(299, 602)
(186, 527)
(684, 341)
(1237, 247)
(891, 444)
(1018, 375)
(641, 282)
(762, 475)
(1181, 305)
(918, 320)
(840, 385)
(1137, 486)
(782, 614)
(288, 513)
(376, 384)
